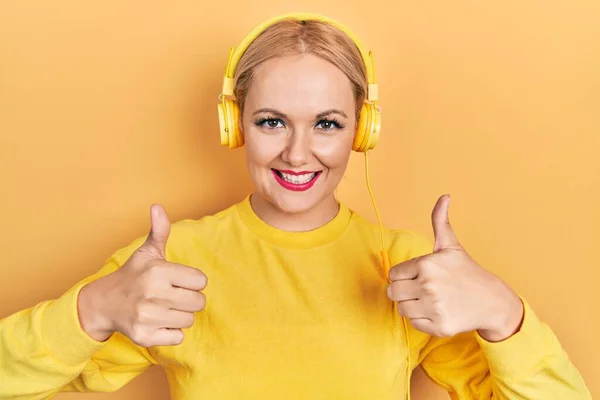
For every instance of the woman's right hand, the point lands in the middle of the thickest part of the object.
(148, 299)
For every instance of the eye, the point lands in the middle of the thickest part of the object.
(329, 124)
(270, 123)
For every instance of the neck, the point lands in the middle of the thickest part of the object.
(313, 218)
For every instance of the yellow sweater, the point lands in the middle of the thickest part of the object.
(300, 315)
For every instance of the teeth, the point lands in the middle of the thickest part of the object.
(298, 179)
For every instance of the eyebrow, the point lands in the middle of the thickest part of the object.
(319, 115)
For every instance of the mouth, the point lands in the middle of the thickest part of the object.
(296, 181)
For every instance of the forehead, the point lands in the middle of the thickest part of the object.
(300, 84)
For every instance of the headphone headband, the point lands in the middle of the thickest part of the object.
(236, 54)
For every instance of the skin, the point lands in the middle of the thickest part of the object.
(295, 138)
(444, 293)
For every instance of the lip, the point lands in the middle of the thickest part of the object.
(296, 173)
(293, 186)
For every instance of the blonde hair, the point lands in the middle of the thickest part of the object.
(294, 37)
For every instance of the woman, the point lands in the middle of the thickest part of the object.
(297, 306)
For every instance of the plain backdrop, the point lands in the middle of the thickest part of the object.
(107, 107)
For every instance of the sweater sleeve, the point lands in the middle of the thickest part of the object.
(44, 350)
(531, 364)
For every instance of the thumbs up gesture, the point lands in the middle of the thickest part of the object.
(446, 292)
(148, 299)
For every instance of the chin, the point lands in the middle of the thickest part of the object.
(296, 202)
(289, 201)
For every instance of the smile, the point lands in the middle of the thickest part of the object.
(296, 181)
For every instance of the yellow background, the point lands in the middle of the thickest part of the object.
(107, 107)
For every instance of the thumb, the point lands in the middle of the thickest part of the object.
(442, 230)
(159, 230)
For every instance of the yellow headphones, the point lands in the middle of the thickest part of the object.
(369, 122)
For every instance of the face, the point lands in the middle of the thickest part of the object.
(298, 124)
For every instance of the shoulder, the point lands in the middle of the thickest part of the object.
(187, 234)
(405, 244)
(402, 244)
(210, 225)
(202, 233)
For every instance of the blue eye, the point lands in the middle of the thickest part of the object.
(269, 123)
(329, 124)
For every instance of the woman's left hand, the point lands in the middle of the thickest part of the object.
(446, 292)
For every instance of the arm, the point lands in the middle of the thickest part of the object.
(95, 337)
(44, 350)
(487, 343)
(531, 364)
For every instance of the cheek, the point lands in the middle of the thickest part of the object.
(335, 154)
(260, 150)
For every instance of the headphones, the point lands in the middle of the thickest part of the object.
(369, 122)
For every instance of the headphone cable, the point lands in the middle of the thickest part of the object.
(385, 259)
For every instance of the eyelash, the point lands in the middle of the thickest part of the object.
(334, 122)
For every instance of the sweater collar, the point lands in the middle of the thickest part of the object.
(296, 240)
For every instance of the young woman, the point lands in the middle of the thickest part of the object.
(282, 296)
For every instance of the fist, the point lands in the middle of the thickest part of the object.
(149, 299)
(446, 292)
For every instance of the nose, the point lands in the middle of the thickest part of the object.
(297, 151)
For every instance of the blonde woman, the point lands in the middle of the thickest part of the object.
(283, 295)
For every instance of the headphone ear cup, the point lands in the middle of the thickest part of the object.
(361, 129)
(236, 135)
(375, 128)
(368, 128)
(229, 124)
(223, 125)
